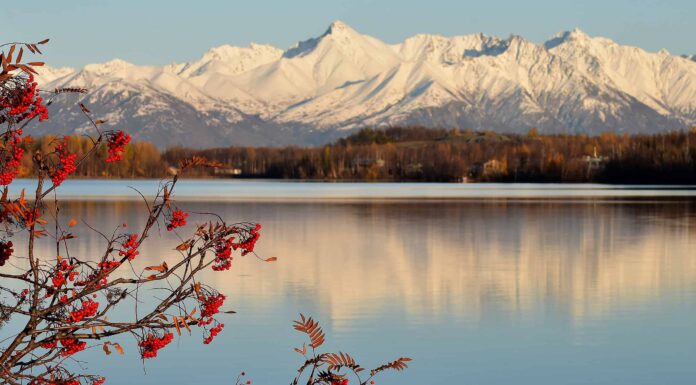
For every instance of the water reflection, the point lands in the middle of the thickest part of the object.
(559, 271)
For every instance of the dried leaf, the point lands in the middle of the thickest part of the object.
(118, 348)
(312, 329)
(399, 364)
(302, 351)
(271, 259)
(25, 68)
(167, 200)
(10, 52)
(106, 349)
(184, 246)
(44, 41)
(72, 223)
(176, 324)
(67, 236)
(161, 268)
(186, 325)
(197, 289)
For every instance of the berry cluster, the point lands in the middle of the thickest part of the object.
(49, 345)
(116, 144)
(223, 255)
(89, 309)
(153, 343)
(95, 381)
(178, 220)
(54, 382)
(209, 307)
(13, 157)
(23, 102)
(130, 248)
(71, 346)
(248, 244)
(62, 274)
(6, 251)
(66, 163)
(341, 381)
(213, 333)
(108, 265)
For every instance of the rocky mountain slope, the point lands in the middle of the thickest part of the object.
(322, 88)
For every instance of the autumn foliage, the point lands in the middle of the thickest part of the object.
(55, 305)
(333, 368)
(52, 307)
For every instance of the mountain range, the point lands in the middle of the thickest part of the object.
(325, 87)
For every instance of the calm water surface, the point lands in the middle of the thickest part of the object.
(581, 288)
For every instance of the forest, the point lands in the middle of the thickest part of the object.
(421, 154)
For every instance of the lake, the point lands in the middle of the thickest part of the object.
(479, 284)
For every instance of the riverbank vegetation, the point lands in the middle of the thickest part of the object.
(427, 155)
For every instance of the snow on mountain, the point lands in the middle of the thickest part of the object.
(321, 88)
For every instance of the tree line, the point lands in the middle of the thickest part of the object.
(430, 155)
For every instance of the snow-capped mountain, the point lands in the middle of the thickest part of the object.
(323, 87)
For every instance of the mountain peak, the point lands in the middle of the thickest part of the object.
(562, 37)
(339, 27)
(109, 66)
(338, 31)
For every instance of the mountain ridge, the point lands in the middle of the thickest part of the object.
(322, 88)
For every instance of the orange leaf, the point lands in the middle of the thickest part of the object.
(44, 41)
(197, 289)
(10, 52)
(67, 236)
(161, 268)
(302, 351)
(118, 348)
(184, 246)
(106, 349)
(183, 322)
(176, 324)
(271, 259)
(72, 223)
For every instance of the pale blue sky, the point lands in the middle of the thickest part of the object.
(165, 31)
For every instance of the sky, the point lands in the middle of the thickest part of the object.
(166, 31)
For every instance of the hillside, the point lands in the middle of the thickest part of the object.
(323, 88)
